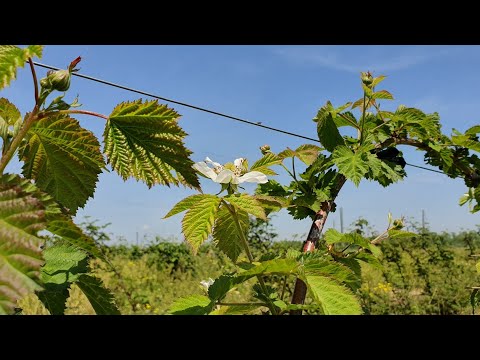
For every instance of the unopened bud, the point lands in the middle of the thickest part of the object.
(60, 80)
(398, 224)
(265, 149)
(367, 78)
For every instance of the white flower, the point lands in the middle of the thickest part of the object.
(207, 284)
(224, 176)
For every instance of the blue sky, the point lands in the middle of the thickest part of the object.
(283, 87)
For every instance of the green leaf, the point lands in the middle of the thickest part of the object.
(192, 305)
(64, 264)
(352, 165)
(236, 309)
(271, 203)
(333, 236)
(10, 119)
(222, 286)
(271, 267)
(377, 80)
(247, 203)
(54, 298)
(399, 234)
(263, 164)
(144, 141)
(467, 142)
(21, 217)
(64, 160)
(69, 232)
(226, 233)
(198, 221)
(100, 298)
(333, 270)
(474, 130)
(478, 267)
(346, 119)
(307, 153)
(382, 94)
(13, 57)
(334, 298)
(328, 133)
(187, 203)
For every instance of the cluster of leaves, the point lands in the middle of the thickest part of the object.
(61, 164)
(372, 155)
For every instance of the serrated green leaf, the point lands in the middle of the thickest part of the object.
(307, 153)
(64, 264)
(346, 119)
(222, 286)
(333, 236)
(69, 232)
(13, 57)
(144, 141)
(333, 270)
(187, 203)
(328, 133)
(198, 221)
(21, 217)
(247, 203)
(10, 118)
(226, 233)
(192, 305)
(382, 94)
(64, 160)
(352, 165)
(101, 299)
(263, 164)
(271, 203)
(467, 142)
(271, 267)
(334, 298)
(54, 298)
(478, 267)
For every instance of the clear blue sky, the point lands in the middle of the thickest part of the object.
(281, 86)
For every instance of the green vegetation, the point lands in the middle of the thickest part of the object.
(428, 274)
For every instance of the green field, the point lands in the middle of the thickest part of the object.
(429, 274)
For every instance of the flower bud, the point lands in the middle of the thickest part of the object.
(60, 80)
(265, 149)
(398, 224)
(367, 78)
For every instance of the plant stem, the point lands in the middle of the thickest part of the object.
(244, 240)
(35, 82)
(84, 112)
(284, 287)
(362, 120)
(18, 139)
(300, 291)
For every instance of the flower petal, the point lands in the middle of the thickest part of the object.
(215, 164)
(205, 170)
(224, 176)
(238, 162)
(253, 177)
